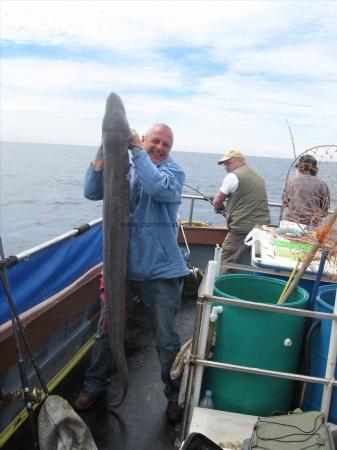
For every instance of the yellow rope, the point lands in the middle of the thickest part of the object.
(194, 223)
(292, 275)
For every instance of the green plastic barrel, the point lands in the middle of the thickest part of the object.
(254, 338)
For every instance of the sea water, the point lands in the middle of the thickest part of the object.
(42, 189)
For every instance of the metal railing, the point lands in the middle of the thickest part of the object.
(68, 235)
(197, 359)
(193, 198)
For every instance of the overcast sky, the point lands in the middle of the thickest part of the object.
(222, 74)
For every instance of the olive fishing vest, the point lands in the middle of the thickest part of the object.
(248, 205)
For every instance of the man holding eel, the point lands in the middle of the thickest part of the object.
(155, 264)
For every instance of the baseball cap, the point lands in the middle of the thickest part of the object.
(230, 154)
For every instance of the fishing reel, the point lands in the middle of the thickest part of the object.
(36, 395)
(222, 210)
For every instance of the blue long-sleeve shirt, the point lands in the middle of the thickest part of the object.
(155, 198)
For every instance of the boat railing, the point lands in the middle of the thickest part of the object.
(10, 260)
(78, 230)
(198, 359)
(82, 228)
(194, 198)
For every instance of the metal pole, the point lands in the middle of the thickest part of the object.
(25, 254)
(198, 347)
(191, 371)
(265, 372)
(217, 257)
(209, 287)
(330, 365)
(191, 212)
(325, 253)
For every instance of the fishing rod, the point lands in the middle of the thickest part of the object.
(18, 331)
(202, 195)
(28, 398)
(221, 210)
(292, 138)
(5, 282)
(295, 157)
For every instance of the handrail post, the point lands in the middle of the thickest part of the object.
(209, 287)
(330, 365)
(191, 212)
(198, 346)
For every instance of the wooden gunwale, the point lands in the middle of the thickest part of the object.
(46, 318)
(210, 235)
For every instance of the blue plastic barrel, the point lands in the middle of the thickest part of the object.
(319, 352)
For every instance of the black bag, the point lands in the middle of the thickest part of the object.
(198, 441)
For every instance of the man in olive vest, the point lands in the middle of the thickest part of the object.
(246, 206)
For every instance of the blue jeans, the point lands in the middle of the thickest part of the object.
(162, 299)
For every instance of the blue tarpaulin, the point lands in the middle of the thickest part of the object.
(48, 271)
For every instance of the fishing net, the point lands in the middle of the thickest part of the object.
(310, 204)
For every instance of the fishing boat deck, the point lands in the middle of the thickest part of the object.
(140, 422)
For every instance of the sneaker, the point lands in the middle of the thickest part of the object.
(85, 400)
(174, 413)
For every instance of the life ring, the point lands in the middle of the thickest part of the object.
(194, 223)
